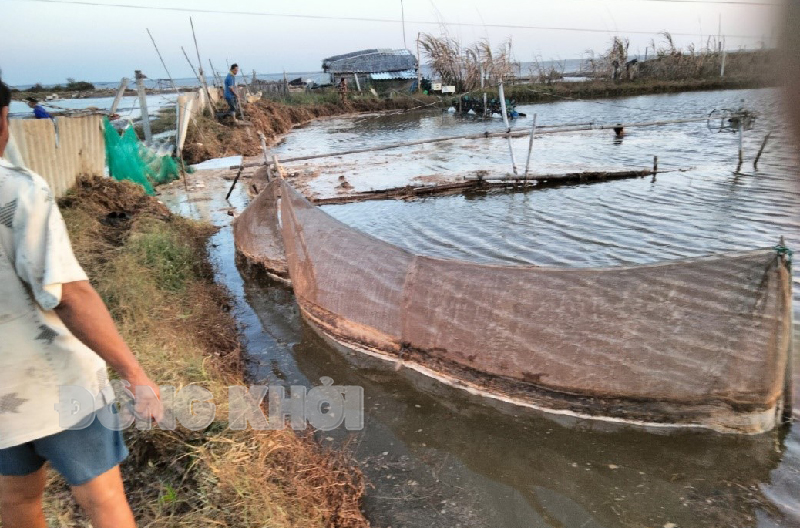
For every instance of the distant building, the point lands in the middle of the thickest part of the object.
(379, 68)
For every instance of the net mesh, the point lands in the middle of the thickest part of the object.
(257, 234)
(700, 341)
(130, 159)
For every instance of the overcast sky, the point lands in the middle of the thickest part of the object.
(50, 41)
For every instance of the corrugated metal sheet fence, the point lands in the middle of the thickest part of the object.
(78, 148)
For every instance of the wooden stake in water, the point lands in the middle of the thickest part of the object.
(760, 150)
(741, 154)
(508, 127)
(235, 180)
(530, 146)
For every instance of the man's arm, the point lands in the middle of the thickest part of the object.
(85, 315)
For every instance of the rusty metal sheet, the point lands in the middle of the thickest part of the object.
(62, 150)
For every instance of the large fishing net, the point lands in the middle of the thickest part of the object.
(694, 342)
(130, 159)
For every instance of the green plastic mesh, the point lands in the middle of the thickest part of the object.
(129, 159)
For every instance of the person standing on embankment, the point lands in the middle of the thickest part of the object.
(56, 334)
(38, 110)
(230, 89)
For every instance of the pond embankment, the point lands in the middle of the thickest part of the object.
(152, 269)
(208, 138)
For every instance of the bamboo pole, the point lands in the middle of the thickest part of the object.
(508, 127)
(174, 87)
(217, 77)
(788, 380)
(568, 176)
(483, 75)
(235, 180)
(552, 129)
(200, 71)
(197, 76)
(244, 80)
(530, 146)
(476, 182)
(741, 154)
(264, 151)
(760, 150)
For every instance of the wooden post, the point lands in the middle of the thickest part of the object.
(148, 135)
(120, 92)
(358, 84)
(530, 146)
(278, 170)
(655, 164)
(264, 150)
(508, 127)
(240, 105)
(200, 71)
(760, 150)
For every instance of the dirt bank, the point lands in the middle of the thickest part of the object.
(151, 268)
(208, 138)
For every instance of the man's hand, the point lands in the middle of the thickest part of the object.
(85, 315)
(147, 402)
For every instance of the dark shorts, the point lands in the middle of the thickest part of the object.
(231, 104)
(79, 455)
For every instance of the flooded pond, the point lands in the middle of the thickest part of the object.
(436, 456)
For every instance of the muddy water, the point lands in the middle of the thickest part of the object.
(437, 457)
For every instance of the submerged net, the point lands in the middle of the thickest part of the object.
(697, 342)
(130, 159)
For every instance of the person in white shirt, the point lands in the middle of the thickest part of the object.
(56, 332)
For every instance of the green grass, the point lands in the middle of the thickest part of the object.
(153, 272)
